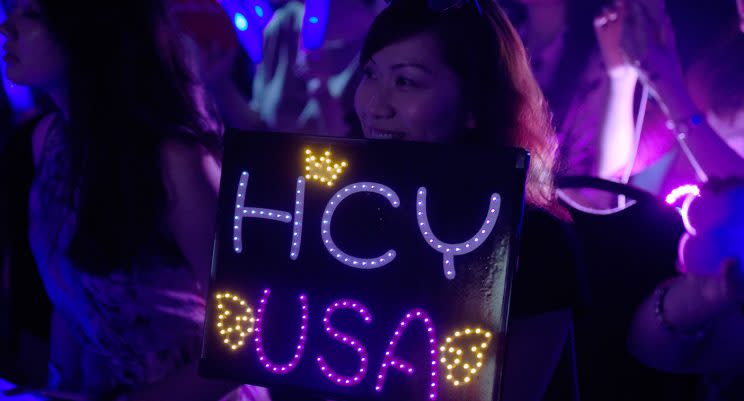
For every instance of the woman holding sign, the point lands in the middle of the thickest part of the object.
(456, 72)
(122, 203)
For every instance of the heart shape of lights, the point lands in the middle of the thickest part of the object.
(235, 320)
(463, 353)
(322, 168)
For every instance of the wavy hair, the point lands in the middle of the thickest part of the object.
(130, 87)
(484, 50)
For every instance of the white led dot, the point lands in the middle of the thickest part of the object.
(470, 245)
(345, 258)
(242, 212)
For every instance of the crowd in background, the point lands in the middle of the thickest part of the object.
(636, 92)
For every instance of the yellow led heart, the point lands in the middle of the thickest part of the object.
(323, 168)
(462, 364)
(234, 326)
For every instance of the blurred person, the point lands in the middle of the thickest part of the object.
(310, 91)
(123, 196)
(224, 66)
(692, 323)
(566, 58)
(708, 111)
(716, 82)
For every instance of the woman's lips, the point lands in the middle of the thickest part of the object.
(374, 133)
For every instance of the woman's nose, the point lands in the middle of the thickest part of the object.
(379, 105)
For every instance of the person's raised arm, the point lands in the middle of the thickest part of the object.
(650, 44)
(616, 140)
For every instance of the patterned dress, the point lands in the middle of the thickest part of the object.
(125, 329)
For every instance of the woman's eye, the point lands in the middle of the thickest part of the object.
(368, 73)
(405, 82)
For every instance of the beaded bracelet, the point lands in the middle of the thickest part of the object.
(681, 129)
(696, 335)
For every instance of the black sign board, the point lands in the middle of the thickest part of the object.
(363, 270)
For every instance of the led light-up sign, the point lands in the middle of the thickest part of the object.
(363, 269)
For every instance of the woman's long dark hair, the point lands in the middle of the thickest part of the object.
(129, 87)
(485, 52)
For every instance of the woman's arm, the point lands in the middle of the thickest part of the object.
(191, 176)
(217, 71)
(616, 137)
(234, 109)
(692, 324)
(715, 157)
(651, 44)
